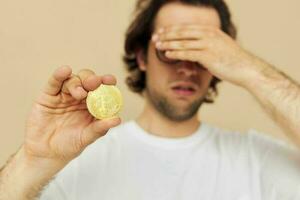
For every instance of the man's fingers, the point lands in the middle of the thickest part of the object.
(73, 86)
(56, 81)
(90, 81)
(181, 45)
(181, 32)
(76, 85)
(98, 129)
(182, 27)
(191, 55)
(178, 35)
(109, 80)
(178, 27)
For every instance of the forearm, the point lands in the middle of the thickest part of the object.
(279, 95)
(24, 178)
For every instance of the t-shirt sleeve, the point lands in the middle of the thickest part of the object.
(279, 167)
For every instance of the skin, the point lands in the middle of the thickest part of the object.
(161, 77)
(54, 135)
(58, 129)
(278, 94)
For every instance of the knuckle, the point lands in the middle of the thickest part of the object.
(74, 81)
(53, 82)
(84, 73)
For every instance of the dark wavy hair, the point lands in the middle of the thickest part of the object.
(141, 29)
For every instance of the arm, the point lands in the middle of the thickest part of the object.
(279, 95)
(58, 129)
(225, 59)
(24, 177)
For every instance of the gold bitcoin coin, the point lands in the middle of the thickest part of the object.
(105, 102)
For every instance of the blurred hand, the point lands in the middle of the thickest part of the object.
(59, 126)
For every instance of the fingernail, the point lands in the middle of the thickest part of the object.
(158, 44)
(167, 53)
(155, 38)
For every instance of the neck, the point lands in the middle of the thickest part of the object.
(155, 123)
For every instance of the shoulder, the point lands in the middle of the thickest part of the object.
(264, 144)
(227, 138)
(251, 138)
(251, 142)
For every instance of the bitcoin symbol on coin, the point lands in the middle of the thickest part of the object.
(105, 102)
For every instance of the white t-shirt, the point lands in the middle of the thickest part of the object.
(211, 164)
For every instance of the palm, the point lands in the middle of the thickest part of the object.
(60, 126)
(56, 124)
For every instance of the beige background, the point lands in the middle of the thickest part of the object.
(38, 36)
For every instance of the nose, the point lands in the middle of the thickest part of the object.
(187, 68)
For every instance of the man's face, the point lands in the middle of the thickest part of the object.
(178, 90)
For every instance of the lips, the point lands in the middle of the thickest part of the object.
(184, 88)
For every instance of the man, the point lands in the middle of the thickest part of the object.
(176, 51)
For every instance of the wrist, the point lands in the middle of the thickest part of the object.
(25, 176)
(265, 77)
(256, 75)
(47, 166)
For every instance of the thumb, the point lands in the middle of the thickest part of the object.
(97, 129)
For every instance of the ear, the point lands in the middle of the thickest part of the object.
(141, 60)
